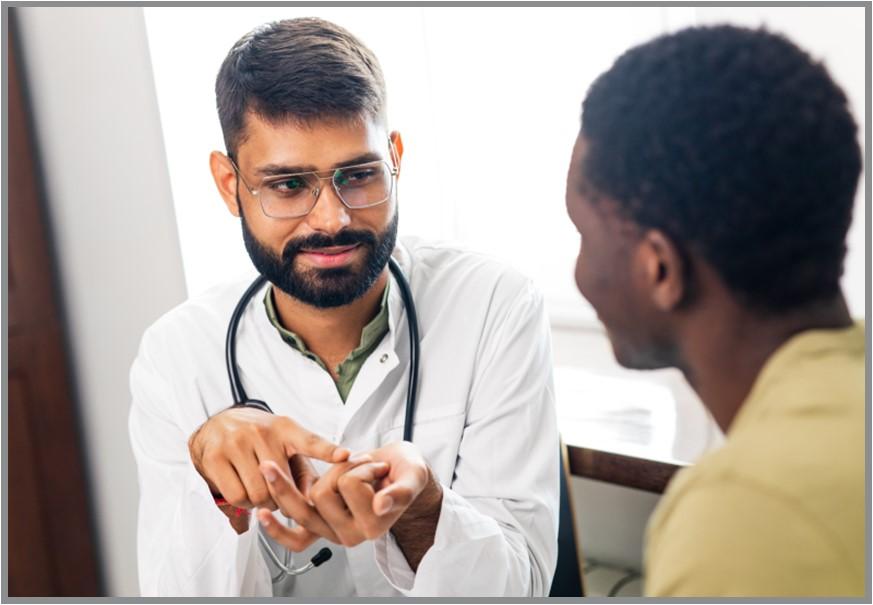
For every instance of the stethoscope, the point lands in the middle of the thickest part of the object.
(240, 398)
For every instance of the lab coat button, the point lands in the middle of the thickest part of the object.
(384, 358)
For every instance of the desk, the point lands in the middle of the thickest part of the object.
(629, 429)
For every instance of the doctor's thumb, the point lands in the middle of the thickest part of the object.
(382, 504)
(396, 496)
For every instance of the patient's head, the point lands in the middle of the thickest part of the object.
(303, 71)
(712, 163)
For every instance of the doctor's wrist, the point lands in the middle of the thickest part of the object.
(415, 530)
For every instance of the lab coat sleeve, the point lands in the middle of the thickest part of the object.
(185, 544)
(497, 530)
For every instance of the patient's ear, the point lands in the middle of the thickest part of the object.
(663, 268)
(225, 179)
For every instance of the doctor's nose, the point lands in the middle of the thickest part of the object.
(329, 214)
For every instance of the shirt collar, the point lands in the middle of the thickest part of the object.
(780, 366)
(371, 332)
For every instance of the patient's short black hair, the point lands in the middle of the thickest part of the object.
(740, 147)
(304, 70)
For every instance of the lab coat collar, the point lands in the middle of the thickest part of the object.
(396, 308)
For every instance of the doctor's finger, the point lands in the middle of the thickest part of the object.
(294, 539)
(303, 473)
(292, 503)
(328, 481)
(356, 488)
(399, 494)
(258, 492)
(274, 453)
(332, 508)
(298, 440)
(228, 483)
(369, 472)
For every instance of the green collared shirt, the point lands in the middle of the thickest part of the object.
(348, 370)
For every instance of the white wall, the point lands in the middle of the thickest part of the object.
(99, 138)
(483, 100)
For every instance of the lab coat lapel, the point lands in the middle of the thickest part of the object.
(381, 362)
(291, 384)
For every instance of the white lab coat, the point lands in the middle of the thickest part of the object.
(485, 422)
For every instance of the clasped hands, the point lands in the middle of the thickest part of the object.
(260, 460)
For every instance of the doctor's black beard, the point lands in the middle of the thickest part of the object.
(323, 288)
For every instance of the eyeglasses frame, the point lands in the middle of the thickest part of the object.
(316, 193)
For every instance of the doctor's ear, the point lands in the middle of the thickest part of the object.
(225, 177)
(664, 270)
(396, 148)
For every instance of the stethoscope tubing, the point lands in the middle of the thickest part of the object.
(241, 398)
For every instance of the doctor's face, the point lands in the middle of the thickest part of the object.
(334, 254)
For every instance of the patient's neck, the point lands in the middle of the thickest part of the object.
(726, 346)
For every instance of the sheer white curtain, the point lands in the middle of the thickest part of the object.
(487, 100)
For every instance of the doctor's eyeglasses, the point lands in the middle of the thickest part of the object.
(295, 195)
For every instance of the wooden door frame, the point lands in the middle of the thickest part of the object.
(51, 540)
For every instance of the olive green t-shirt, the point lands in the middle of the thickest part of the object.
(779, 509)
(347, 371)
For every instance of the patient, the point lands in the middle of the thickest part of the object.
(712, 184)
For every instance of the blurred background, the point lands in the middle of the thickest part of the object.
(113, 219)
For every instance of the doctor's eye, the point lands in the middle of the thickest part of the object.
(356, 177)
(288, 186)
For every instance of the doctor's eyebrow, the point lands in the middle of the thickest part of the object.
(276, 169)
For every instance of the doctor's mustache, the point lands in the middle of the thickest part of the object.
(346, 237)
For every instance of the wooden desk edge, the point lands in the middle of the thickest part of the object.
(639, 473)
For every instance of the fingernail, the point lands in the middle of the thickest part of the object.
(264, 520)
(385, 507)
(360, 458)
(341, 453)
(270, 475)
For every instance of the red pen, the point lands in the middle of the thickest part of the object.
(219, 501)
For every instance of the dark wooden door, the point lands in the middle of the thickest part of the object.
(51, 545)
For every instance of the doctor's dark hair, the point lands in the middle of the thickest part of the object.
(304, 70)
(737, 145)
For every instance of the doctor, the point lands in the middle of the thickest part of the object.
(469, 507)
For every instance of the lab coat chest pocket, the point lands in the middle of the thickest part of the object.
(438, 439)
